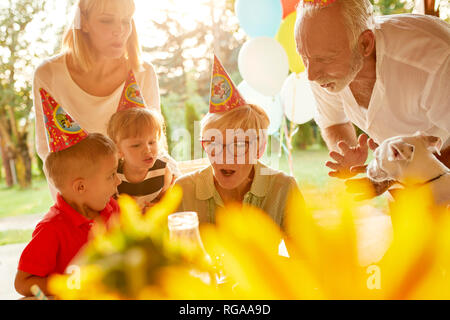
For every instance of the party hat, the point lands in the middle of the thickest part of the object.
(62, 130)
(322, 3)
(224, 94)
(131, 94)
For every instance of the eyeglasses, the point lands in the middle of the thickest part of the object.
(237, 148)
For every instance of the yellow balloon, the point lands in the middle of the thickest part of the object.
(285, 36)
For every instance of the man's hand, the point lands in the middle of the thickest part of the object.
(350, 158)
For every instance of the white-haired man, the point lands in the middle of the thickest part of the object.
(389, 75)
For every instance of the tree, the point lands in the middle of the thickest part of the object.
(190, 51)
(386, 7)
(191, 117)
(23, 42)
(184, 62)
(15, 101)
(6, 160)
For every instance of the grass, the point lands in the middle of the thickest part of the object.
(312, 175)
(308, 166)
(15, 236)
(15, 202)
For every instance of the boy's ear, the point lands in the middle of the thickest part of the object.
(79, 186)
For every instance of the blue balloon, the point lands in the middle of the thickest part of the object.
(259, 18)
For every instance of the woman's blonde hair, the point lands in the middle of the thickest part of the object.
(248, 116)
(130, 123)
(75, 40)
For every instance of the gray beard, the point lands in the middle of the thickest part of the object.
(356, 66)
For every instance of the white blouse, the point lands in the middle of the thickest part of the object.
(92, 113)
(412, 88)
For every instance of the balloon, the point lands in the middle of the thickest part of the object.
(297, 98)
(259, 18)
(289, 6)
(286, 38)
(263, 63)
(270, 104)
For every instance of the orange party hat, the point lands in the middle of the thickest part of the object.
(62, 131)
(224, 94)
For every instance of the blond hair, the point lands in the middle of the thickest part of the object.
(75, 41)
(129, 123)
(357, 14)
(248, 116)
(81, 159)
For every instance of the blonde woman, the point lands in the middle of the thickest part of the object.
(99, 70)
(234, 140)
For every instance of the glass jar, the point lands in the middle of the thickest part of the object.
(183, 229)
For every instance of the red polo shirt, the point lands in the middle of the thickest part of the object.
(58, 237)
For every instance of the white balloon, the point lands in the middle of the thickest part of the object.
(297, 98)
(264, 65)
(270, 104)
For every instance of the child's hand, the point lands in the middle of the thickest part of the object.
(169, 179)
(25, 280)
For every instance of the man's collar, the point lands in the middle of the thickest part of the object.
(204, 187)
(261, 180)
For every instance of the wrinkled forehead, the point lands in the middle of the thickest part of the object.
(322, 32)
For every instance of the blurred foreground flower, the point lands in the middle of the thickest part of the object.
(134, 258)
(129, 260)
(413, 267)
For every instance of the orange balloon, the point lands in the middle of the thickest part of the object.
(288, 6)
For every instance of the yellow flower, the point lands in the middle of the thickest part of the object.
(247, 241)
(415, 265)
(120, 260)
(135, 259)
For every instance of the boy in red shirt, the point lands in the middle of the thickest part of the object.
(85, 176)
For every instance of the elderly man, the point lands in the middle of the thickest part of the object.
(389, 75)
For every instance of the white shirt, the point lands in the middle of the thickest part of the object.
(412, 88)
(92, 113)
